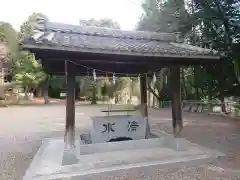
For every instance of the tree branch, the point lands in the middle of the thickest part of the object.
(149, 88)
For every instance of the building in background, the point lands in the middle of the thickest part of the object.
(5, 66)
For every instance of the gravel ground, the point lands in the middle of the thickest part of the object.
(23, 128)
(215, 132)
(15, 157)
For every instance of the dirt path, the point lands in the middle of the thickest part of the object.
(23, 128)
(210, 131)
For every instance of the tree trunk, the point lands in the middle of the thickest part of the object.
(45, 90)
(39, 91)
(183, 84)
(153, 91)
(210, 93)
(149, 98)
(116, 95)
(221, 89)
(158, 101)
(45, 96)
(94, 94)
(196, 84)
(223, 107)
(154, 99)
(77, 90)
(131, 92)
(1, 92)
(26, 93)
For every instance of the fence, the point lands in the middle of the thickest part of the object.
(202, 106)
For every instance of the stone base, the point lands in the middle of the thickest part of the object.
(53, 162)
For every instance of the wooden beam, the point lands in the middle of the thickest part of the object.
(143, 89)
(95, 61)
(99, 74)
(136, 59)
(143, 92)
(70, 105)
(126, 69)
(176, 100)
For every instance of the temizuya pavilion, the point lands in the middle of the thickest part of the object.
(68, 49)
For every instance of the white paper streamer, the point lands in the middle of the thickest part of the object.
(114, 80)
(154, 78)
(94, 75)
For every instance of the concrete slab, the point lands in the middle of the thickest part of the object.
(161, 152)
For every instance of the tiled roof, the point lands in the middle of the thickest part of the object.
(60, 36)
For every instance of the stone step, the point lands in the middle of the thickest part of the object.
(152, 153)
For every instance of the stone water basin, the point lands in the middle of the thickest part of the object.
(108, 128)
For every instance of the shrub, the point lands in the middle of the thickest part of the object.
(237, 106)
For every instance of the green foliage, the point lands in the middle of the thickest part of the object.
(28, 72)
(112, 90)
(162, 16)
(54, 93)
(57, 82)
(8, 36)
(55, 86)
(211, 24)
(237, 106)
(160, 88)
(220, 33)
(122, 83)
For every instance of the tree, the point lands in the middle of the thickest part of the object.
(211, 24)
(28, 28)
(216, 22)
(28, 72)
(121, 84)
(8, 51)
(8, 36)
(9, 45)
(161, 16)
(160, 88)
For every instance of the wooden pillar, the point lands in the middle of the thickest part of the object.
(176, 100)
(70, 104)
(143, 92)
(143, 89)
